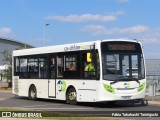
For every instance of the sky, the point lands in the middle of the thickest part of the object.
(73, 21)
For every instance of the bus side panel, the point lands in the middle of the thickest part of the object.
(24, 85)
(41, 87)
(85, 89)
(86, 95)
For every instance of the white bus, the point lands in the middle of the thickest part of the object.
(45, 72)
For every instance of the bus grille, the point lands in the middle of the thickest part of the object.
(125, 88)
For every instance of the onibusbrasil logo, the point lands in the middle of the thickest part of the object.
(61, 86)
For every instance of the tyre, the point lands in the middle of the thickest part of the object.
(32, 93)
(111, 103)
(71, 97)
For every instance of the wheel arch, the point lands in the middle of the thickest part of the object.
(32, 86)
(69, 87)
(71, 98)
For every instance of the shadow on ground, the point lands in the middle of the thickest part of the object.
(113, 104)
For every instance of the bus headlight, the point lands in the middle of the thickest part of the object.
(109, 88)
(141, 87)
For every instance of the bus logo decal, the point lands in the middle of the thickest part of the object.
(61, 86)
(126, 85)
(77, 47)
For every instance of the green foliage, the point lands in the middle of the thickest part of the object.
(7, 60)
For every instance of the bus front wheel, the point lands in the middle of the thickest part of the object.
(32, 93)
(72, 96)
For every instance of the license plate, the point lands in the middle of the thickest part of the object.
(126, 97)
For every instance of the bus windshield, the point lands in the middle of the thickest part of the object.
(122, 61)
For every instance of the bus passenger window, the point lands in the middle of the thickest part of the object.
(33, 67)
(23, 68)
(43, 67)
(52, 68)
(70, 63)
(59, 67)
(71, 67)
(23, 65)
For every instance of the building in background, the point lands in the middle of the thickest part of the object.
(9, 45)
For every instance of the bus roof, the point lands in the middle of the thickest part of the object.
(63, 48)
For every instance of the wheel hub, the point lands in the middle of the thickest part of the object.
(33, 93)
(72, 96)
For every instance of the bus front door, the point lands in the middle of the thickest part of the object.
(52, 80)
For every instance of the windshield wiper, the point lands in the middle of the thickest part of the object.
(125, 79)
(116, 81)
(122, 79)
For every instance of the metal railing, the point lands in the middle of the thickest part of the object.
(153, 85)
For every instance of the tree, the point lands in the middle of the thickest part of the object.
(7, 61)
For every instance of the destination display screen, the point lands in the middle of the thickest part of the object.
(119, 46)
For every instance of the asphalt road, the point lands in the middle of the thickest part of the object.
(94, 109)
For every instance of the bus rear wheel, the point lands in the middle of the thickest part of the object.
(72, 96)
(32, 93)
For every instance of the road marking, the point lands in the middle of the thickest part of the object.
(62, 108)
(40, 105)
(107, 109)
(3, 99)
(154, 103)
